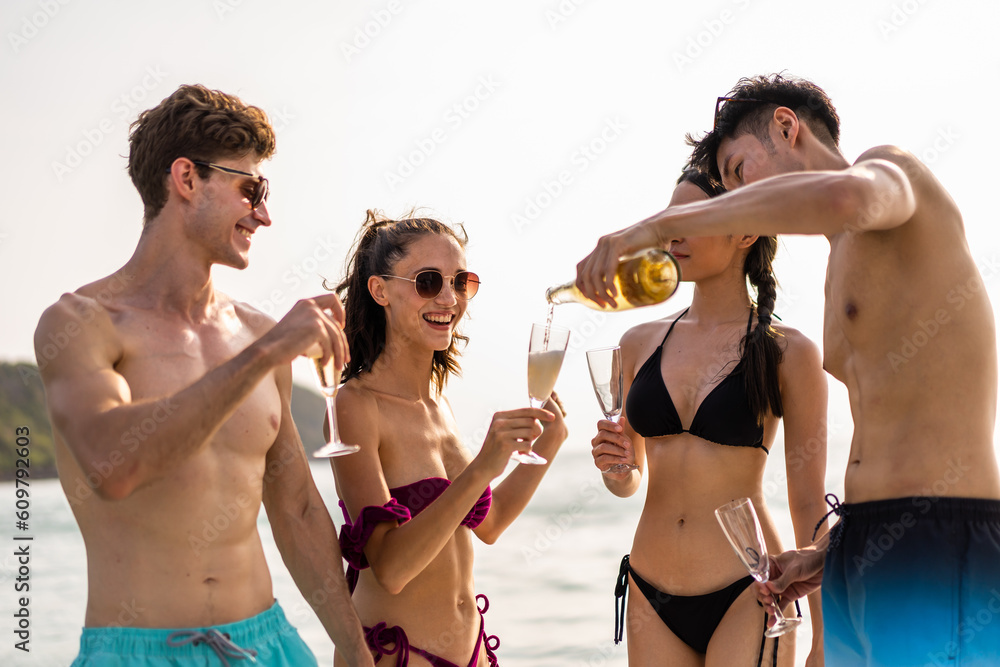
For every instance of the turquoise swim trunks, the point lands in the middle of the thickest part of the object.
(267, 637)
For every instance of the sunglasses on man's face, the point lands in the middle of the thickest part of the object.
(429, 283)
(260, 190)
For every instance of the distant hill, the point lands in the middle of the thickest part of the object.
(22, 403)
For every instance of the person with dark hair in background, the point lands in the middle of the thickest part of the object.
(910, 331)
(413, 496)
(170, 407)
(704, 392)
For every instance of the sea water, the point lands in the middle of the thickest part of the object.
(550, 578)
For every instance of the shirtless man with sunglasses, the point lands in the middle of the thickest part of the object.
(910, 330)
(169, 403)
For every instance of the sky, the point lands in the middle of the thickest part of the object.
(538, 124)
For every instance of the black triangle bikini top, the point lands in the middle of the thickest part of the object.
(724, 416)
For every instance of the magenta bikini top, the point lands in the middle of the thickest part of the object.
(405, 503)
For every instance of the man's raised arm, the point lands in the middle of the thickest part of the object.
(874, 194)
(92, 407)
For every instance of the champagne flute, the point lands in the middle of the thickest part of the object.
(739, 522)
(328, 385)
(546, 349)
(606, 375)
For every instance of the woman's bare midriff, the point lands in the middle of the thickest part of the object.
(679, 546)
(437, 609)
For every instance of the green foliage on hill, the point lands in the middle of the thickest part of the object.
(22, 404)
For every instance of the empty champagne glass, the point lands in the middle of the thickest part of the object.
(739, 522)
(606, 375)
(328, 384)
(545, 356)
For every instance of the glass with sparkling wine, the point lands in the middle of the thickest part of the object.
(739, 522)
(328, 384)
(606, 375)
(545, 356)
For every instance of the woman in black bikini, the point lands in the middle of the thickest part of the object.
(705, 389)
(413, 496)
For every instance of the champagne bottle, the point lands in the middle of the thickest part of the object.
(646, 278)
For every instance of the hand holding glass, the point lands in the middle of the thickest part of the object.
(545, 356)
(328, 384)
(606, 375)
(739, 522)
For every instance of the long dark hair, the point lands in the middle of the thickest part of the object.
(381, 243)
(759, 349)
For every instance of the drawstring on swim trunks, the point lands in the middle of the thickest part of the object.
(838, 529)
(217, 641)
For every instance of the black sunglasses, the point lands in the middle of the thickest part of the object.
(429, 283)
(719, 107)
(260, 189)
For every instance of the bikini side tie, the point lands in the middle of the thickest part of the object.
(838, 529)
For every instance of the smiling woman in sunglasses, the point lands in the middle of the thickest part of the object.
(413, 496)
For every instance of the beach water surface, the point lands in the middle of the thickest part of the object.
(550, 578)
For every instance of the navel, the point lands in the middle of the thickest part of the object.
(851, 311)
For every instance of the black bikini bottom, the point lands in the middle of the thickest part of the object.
(692, 618)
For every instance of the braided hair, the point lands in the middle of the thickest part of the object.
(381, 243)
(759, 349)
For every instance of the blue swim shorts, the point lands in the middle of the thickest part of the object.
(915, 582)
(267, 636)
